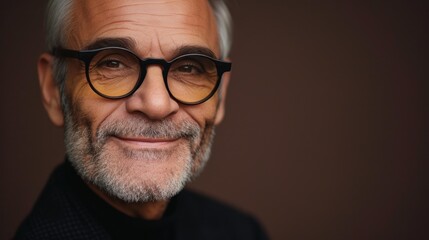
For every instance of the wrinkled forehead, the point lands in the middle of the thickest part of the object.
(155, 25)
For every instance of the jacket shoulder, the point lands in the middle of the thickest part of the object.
(223, 220)
(57, 214)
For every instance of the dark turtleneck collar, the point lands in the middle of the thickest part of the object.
(117, 223)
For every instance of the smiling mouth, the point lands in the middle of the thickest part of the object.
(142, 142)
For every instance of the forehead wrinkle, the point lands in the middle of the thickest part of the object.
(110, 19)
(166, 27)
(136, 10)
(187, 20)
(87, 10)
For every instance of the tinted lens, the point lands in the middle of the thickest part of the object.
(192, 78)
(114, 72)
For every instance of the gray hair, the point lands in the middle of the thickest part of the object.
(58, 19)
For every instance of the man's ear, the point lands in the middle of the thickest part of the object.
(50, 91)
(222, 97)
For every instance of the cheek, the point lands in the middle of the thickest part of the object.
(77, 86)
(90, 106)
(100, 110)
(204, 114)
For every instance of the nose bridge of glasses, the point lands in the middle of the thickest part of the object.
(144, 63)
(153, 62)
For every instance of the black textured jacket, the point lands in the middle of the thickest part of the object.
(68, 209)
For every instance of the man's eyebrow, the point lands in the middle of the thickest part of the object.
(127, 43)
(194, 49)
(130, 44)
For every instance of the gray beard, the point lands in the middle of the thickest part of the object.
(99, 165)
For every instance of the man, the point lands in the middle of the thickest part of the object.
(139, 86)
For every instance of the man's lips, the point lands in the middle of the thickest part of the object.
(143, 142)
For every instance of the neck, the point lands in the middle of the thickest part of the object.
(146, 210)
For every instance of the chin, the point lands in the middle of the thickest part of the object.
(143, 175)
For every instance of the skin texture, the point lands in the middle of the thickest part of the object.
(155, 29)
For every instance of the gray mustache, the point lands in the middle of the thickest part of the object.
(149, 129)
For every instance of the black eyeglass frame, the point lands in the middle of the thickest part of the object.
(87, 55)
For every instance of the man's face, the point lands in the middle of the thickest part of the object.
(147, 146)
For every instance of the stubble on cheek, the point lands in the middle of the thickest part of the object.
(80, 147)
(202, 150)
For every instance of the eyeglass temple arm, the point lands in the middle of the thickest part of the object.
(60, 52)
(223, 66)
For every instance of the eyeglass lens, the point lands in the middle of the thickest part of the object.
(116, 72)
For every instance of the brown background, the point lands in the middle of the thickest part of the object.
(326, 129)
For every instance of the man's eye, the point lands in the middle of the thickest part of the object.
(110, 64)
(188, 69)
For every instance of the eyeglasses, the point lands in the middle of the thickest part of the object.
(115, 73)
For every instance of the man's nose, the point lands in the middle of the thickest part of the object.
(152, 98)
